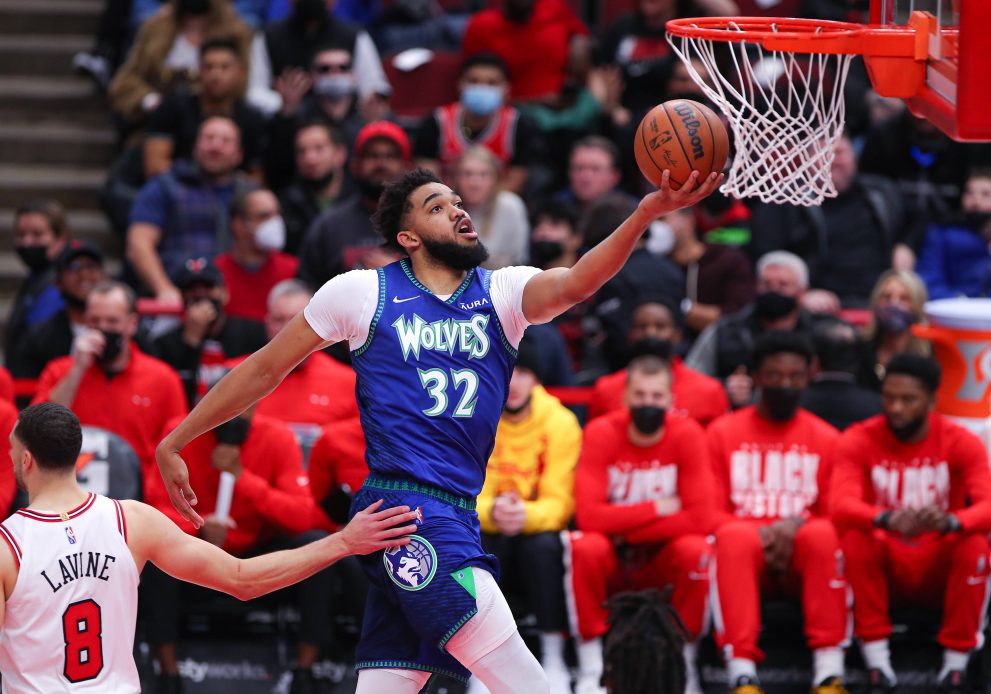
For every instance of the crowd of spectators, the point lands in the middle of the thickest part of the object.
(255, 139)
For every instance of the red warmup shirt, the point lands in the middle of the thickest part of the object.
(135, 404)
(8, 485)
(617, 482)
(249, 288)
(536, 52)
(765, 470)
(338, 458)
(875, 472)
(695, 395)
(271, 497)
(6, 385)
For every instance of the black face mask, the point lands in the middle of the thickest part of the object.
(73, 302)
(652, 346)
(781, 403)
(456, 256)
(906, 431)
(648, 419)
(517, 410)
(893, 319)
(233, 432)
(543, 251)
(192, 8)
(35, 257)
(113, 345)
(310, 11)
(772, 306)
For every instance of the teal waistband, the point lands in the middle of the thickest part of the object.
(394, 485)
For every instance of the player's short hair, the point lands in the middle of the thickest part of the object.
(924, 369)
(647, 365)
(781, 342)
(289, 287)
(394, 203)
(662, 300)
(788, 260)
(487, 60)
(111, 286)
(643, 650)
(52, 435)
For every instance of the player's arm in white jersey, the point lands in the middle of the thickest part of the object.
(552, 292)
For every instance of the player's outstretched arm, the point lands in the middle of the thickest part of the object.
(153, 537)
(552, 292)
(251, 380)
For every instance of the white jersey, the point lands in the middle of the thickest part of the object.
(69, 622)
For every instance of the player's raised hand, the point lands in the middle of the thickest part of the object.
(665, 200)
(176, 477)
(371, 530)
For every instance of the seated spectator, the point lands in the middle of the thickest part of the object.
(78, 268)
(320, 180)
(848, 241)
(526, 502)
(834, 394)
(337, 467)
(320, 389)
(643, 273)
(771, 464)
(255, 263)
(40, 232)
(291, 44)
(912, 499)
(207, 337)
(641, 504)
(173, 127)
(342, 238)
(481, 118)
(109, 383)
(327, 93)
(541, 42)
(184, 212)
(897, 303)
(718, 278)
(955, 259)
(554, 239)
(723, 349)
(656, 329)
(165, 54)
(594, 172)
(272, 509)
(499, 216)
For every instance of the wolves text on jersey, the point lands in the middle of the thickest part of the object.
(445, 335)
(78, 565)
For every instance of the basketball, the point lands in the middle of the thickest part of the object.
(682, 136)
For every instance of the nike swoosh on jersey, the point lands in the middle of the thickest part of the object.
(397, 300)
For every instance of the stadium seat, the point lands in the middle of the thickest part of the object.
(418, 92)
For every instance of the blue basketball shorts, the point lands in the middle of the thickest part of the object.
(422, 593)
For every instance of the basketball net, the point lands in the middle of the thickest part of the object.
(786, 111)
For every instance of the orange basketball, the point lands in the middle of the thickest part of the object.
(682, 136)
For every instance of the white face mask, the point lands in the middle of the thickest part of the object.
(660, 240)
(270, 235)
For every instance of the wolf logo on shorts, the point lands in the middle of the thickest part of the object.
(412, 566)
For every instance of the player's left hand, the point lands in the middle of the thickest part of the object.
(371, 530)
(665, 200)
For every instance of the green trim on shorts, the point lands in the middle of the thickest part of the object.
(454, 630)
(407, 665)
(372, 482)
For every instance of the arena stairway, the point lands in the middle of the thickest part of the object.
(56, 138)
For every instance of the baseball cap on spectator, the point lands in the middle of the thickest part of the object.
(75, 249)
(199, 270)
(383, 130)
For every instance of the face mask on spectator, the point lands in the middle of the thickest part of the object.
(543, 251)
(35, 257)
(772, 305)
(113, 345)
(233, 432)
(647, 418)
(660, 240)
(270, 235)
(893, 319)
(652, 346)
(481, 99)
(334, 87)
(781, 403)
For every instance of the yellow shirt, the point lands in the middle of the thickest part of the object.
(536, 458)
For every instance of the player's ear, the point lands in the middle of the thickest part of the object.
(408, 240)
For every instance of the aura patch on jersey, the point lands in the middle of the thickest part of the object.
(412, 566)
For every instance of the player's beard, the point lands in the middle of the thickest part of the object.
(456, 255)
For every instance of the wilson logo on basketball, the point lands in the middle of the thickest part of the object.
(692, 125)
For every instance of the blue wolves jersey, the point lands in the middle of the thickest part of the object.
(432, 381)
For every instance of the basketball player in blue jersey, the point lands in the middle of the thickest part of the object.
(433, 341)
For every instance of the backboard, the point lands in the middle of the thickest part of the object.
(957, 92)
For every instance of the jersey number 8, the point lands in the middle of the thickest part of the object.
(82, 631)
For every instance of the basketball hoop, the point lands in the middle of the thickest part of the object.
(780, 83)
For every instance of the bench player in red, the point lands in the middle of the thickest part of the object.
(771, 465)
(70, 561)
(641, 501)
(912, 499)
